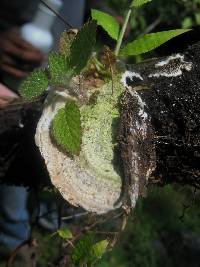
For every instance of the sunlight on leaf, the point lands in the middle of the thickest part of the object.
(87, 251)
(34, 85)
(149, 42)
(107, 22)
(98, 250)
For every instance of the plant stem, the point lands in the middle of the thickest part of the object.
(122, 32)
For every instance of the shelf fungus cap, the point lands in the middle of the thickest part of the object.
(91, 180)
(117, 153)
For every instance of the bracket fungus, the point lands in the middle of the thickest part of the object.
(91, 179)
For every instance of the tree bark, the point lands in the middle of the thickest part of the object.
(20, 160)
(169, 89)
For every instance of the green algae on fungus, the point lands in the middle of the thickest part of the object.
(99, 124)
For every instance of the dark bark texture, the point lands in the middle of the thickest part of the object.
(170, 89)
(20, 160)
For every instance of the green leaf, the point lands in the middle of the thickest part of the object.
(65, 233)
(197, 18)
(82, 46)
(107, 22)
(139, 3)
(60, 70)
(66, 128)
(86, 252)
(98, 250)
(187, 23)
(149, 42)
(34, 85)
(82, 250)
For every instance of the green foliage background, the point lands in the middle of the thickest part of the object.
(173, 14)
(157, 235)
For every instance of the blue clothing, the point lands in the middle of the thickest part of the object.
(14, 217)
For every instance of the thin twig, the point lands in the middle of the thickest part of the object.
(103, 232)
(16, 250)
(90, 227)
(122, 32)
(152, 26)
(57, 14)
(70, 243)
(74, 216)
(118, 234)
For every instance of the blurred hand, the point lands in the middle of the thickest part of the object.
(17, 57)
(6, 96)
